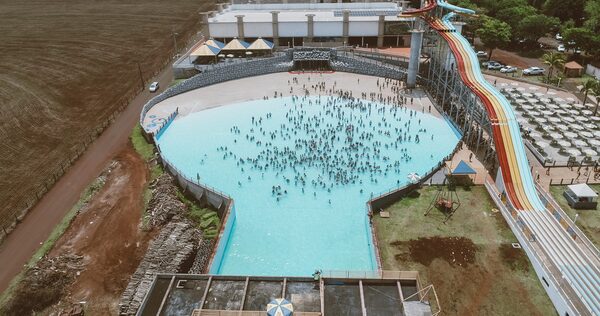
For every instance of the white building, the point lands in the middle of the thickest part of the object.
(292, 24)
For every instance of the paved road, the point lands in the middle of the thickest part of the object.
(22, 243)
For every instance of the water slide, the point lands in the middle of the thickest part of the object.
(577, 266)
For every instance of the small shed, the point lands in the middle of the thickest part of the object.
(573, 69)
(235, 47)
(462, 173)
(261, 47)
(205, 54)
(581, 196)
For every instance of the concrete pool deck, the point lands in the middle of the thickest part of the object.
(255, 88)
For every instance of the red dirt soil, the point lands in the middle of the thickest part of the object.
(107, 234)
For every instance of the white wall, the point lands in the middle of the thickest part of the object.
(592, 71)
(223, 29)
(363, 28)
(325, 29)
(258, 29)
(293, 29)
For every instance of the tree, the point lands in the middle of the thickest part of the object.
(592, 9)
(588, 86)
(494, 33)
(565, 10)
(582, 37)
(596, 92)
(554, 61)
(515, 14)
(535, 26)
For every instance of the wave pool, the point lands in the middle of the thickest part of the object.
(300, 170)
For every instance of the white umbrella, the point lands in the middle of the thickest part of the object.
(542, 144)
(556, 135)
(582, 118)
(597, 133)
(586, 134)
(520, 100)
(574, 152)
(221, 56)
(579, 143)
(587, 112)
(574, 112)
(535, 113)
(413, 177)
(570, 135)
(532, 100)
(229, 55)
(590, 152)
(540, 120)
(535, 134)
(554, 119)
(248, 53)
(565, 105)
(568, 119)
(594, 142)
(553, 106)
(595, 118)
(564, 143)
(560, 112)
(562, 127)
(576, 126)
(591, 126)
(527, 95)
(527, 107)
(579, 106)
(539, 94)
(548, 113)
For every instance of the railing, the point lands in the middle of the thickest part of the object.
(378, 275)
(204, 312)
(581, 235)
(536, 257)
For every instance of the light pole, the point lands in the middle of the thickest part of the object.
(576, 216)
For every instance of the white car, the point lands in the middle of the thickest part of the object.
(561, 48)
(532, 71)
(508, 69)
(481, 54)
(494, 66)
(153, 87)
(558, 37)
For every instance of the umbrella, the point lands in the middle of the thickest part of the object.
(548, 113)
(540, 120)
(280, 307)
(568, 119)
(597, 133)
(527, 107)
(579, 106)
(554, 119)
(574, 152)
(591, 126)
(532, 100)
(576, 126)
(587, 112)
(527, 95)
(229, 55)
(539, 94)
(553, 106)
(574, 112)
(542, 144)
(586, 134)
(594, 142)
(590, 152)
(570, 135)
(562, 127)
(534, 134)
(565, 105)
(556, 136)
(579, 143)
(536, 113)
(221, 56)
(564, 143)
(595, 118)
(520, 100)
(413, 177)
(582, 118)
(248, 53)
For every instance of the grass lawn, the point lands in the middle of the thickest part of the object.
(469, 260)
(588, 220)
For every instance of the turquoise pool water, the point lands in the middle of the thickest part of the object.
(300, 171)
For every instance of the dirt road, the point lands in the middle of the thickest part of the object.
(20, 245)
(107, 234)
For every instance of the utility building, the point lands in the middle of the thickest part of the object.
(365, 24)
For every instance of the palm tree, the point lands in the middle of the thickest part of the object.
(588, 86)
(554, 60)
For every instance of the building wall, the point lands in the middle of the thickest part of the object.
(258, 29)
(361, 28)
(224, 29)
(293, 29)
(328, 29)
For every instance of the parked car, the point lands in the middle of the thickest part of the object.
(558, 37)
(153, 87)
(532, 71)
(561, 48)
(577, 50)
(481, 54)
(486, 63)
(494, 66)
(508, 69)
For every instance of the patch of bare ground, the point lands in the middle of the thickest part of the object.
(107, 238)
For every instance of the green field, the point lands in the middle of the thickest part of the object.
(469, 260)
(588, 220)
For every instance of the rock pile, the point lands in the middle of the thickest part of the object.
(172, 251)
(164, 204)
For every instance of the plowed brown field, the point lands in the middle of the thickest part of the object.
(65, 67)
